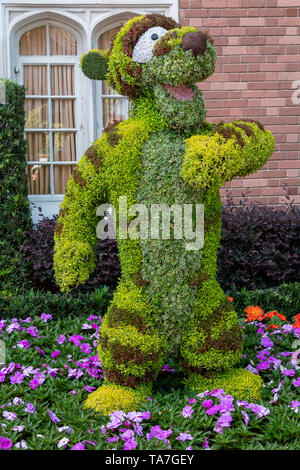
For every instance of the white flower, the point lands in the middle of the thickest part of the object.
(63, 442)
(21, 444)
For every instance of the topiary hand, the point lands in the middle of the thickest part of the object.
(234, 149)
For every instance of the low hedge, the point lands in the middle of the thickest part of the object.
(284, 299)
(58, 305)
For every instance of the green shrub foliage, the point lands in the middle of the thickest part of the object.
(14, 205)
(168, 302)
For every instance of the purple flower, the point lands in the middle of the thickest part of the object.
(246, 417)
(288, 372)
(55, 354)
(60, 340)
(9, 415)
(266, 342)
(223, 422)
(53, 417)
(263, 365)
(296, 382)
(78, 446)
(128, 434)
(112, 439)
(23, 344)
(17, 378)
(86, 348)
(46, 317)
(158, 433)
(295, 404)
(184, 437)
(30, 408)
(213, 410)
(187, 412)
(33, 331)
(5, 443)
(205, 444)
(130, 444)
(259, 410)
(192, 401)
(40, 351)
(207, 403)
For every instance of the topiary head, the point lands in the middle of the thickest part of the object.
(152, 55)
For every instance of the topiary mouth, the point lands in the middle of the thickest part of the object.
(181, 92)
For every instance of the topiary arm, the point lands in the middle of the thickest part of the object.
(75, 233)
(235, 149)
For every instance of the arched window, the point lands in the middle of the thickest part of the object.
(48, 62)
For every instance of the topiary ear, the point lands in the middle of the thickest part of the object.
(94, 64)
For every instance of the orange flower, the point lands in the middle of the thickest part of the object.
(230, 299)
(270, 327)
(254, 313)
(274, 314)
(297, 321)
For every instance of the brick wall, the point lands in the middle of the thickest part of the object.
(258, 47)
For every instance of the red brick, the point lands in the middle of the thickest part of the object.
(291, 12)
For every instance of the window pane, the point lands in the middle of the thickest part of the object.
(64, 147)
(62, 42)
(35, 79)
(36, 114)
(114, 109)
(38, 146)
(38, 179)
(62, 80)
(34, 42)
(63, 114)
(62, 175)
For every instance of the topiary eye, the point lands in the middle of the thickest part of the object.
(154, 36)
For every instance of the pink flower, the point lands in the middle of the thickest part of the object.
(5, 443)
(78, 446)
(207, 403)
(192, 401)
(55, 354)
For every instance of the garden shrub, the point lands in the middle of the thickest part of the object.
(260, 245)
(14, 205)
(58, 305)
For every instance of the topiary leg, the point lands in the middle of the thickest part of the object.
(214, 342)
(212, 348)
(131, 353)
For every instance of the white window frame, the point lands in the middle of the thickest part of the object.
(50, 202)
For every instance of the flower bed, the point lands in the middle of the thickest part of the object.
(52, 366)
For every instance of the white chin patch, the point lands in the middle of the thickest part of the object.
(143, 50)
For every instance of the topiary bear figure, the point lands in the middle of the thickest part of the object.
(168, 302)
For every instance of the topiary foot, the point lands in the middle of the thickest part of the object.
(112, 397)
(240, 383)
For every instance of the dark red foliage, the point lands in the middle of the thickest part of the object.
(260, 245)
(39, 249)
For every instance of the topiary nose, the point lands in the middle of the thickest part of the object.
(195, 41)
